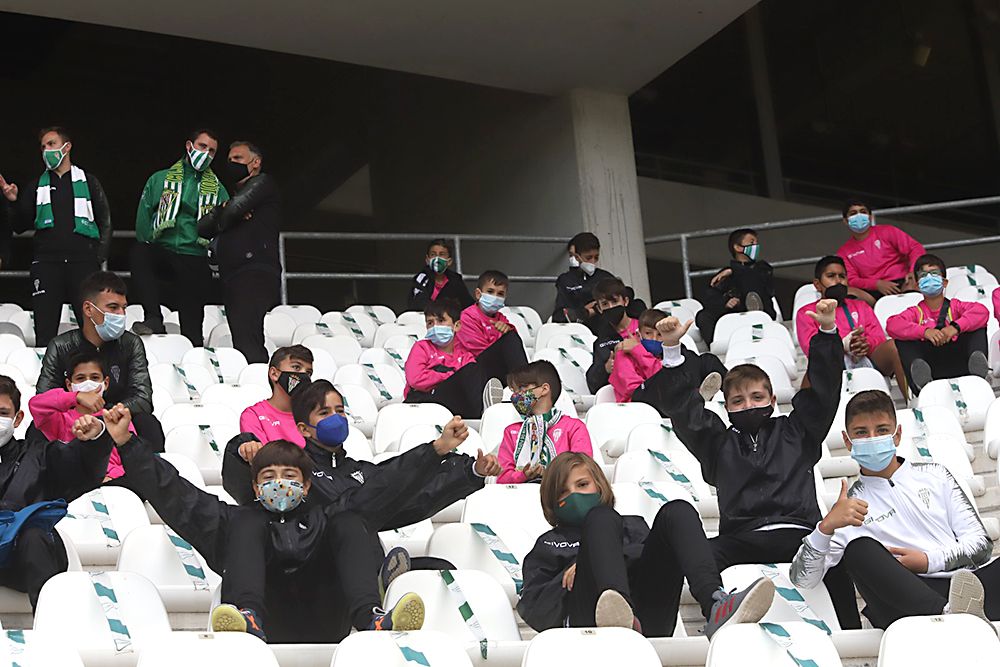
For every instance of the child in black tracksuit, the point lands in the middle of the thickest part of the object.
(596, 567)
(762, 466)
(303, 570)
(437, 280)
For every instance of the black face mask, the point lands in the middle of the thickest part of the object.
(613, 315)
(291, 381)
(838, 292)
(750, 420)
(234, 172)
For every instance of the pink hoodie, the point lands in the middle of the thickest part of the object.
(887, 253)
(862, 314)
(424, 356)
(268, 423)
(996, 303)
(53, 413)
(631, 369)
(568, 435)
(915, 320)
(478, 330)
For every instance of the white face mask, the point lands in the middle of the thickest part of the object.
(574, 263)
(6, 430)
(88, 386)
(588, 268)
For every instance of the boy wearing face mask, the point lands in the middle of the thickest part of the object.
(865, 344)
(906, 531)
(439, 370)
(747, 284)
(168, 249)
(437, 280)
(618, 310)
(68, 211)
(530, 445)
(293, 570)
(939, 338)
(488, 335)
(289, 370)
(55, 412)
(574, 288)
(879, 259)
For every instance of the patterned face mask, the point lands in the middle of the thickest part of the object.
(281, 495)
(523, 401)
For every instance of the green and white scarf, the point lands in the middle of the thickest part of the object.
(533, 442)
(83, 210)
(171, 195)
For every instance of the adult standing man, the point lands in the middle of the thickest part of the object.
(67, 209)
(245, 246)
(168, 248)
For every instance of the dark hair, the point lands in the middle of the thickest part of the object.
(311, 397)
(928, 259)
(584, 242)
(825, 262)
(444, 243)
(84, 357)
(299, 352)
(607, 288)
(443, 307)
(742, 375)
(650, 316)
(250, 146)
(498, 278)
(556, 475)
(58, 129)
(868, 402)
(281, 453)
(737, 236)
(536, 373)
(203, 130)
(101, 281)
(9, 388)
(854, 201)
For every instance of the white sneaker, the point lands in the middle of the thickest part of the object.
(613, 611)
(710, 386)
(492, 393)
(966, 595)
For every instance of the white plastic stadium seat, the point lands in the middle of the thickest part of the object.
(201, 648)
(991, 430)
(930, 641)
(401, 343)
(357, 446)
(948, 451)
(393, 420)
(234, 396)
(960, 283)
(25, 321)
(169, 377)
(640, 466)
(750, 644)
(740, 576)
(36, 649)
(384, 382)
(196, 443)
(279, 327)
(763, 348)
(78, 608)
(299, 313)
(974, 392)
(190, 413)
(381, 314)
(345, 350)
(168, 348)
(411, 318)
(495, 419)
(412, 331)
(231, 362)
(254, 374)
(389, 649)
(220, 336)
(532, 323)
(645, 501)
(975, 293)
(776, 371)
(590, 647)
(571, 342)
(571, 365)
(29, 361)
(423, 433)
(360, 407)
(361, 327)
(863, 379)
(100, 520)
(764, 331)
(610, 423)
(8, 309)
(182, 578)
(729, 323)
(935, 419)
(303, 331)
(161, 401)
(893, 304)
(551, 329)
(214, 316)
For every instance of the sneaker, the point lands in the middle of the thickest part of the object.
(396, 562)
(966, 595)
(492, 393)
(143, 329)
(613, 611)
(978, 364)
(407, 615)
(227, 618)
(754, 302)
(746, 606)
(920, 374)
(710, 386)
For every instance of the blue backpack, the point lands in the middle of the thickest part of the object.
(44, 515)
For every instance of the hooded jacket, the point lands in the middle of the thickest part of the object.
(608, 337)
(422, 289)
(574, 290)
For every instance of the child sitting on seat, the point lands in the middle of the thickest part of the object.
(614, 327)
(865, 344)
(530, 445)
(939, 338)
(879, 259)
(488, 335)
(599, 568)
(54, 412)
(289, 369)
(574, 288)
(437, 280)
(439, 370)
(906, 531)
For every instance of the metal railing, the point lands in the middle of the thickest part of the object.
(685, 237)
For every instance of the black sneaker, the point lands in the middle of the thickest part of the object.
(746, 606)
(144, 329)
(920, 374)
(396, 562)
(406, 616)
(979, 365)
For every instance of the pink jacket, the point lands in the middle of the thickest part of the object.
(996, 303)
(631, 369)
(862, 314)
(424, 356)
(478, 330)
(887, 253)
(915, 320)
(53, 413)
(267, 424)
(568, 435)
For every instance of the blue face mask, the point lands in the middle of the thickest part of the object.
(859, 222)
(332, 431)
(654, 347)
(490, 303)
(874, 454)
(931, 284)
(440, 335)
(112, 327)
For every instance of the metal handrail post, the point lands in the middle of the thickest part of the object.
(458, 253)
(686, 263)
(284, 276)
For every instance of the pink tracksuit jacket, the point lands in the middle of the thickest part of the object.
(915, 320)
(424, 356)
(53, 413)
(862, 314)
(887, 253)
(478, 330)
(631, 369)
(569, 434)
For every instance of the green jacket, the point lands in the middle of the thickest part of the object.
(182, 238)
